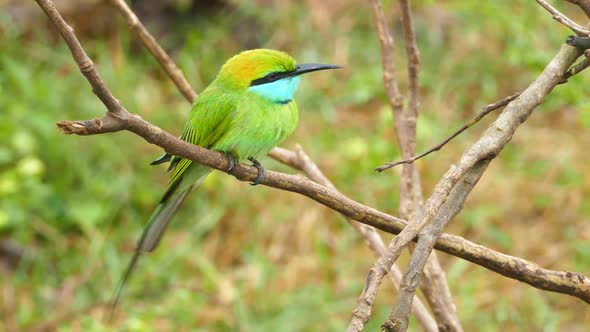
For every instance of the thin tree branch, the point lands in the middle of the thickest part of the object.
(486, 148)
(583, 4)
(399, 318)
(82, 60)
(413, 62)
(442, 306)
(434, 285)
(435, 290)
(571, 283)
(302, 162)
(561, 18)
(156, 50)
(485, 111)
(573, 70)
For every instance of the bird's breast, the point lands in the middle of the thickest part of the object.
(258, 126)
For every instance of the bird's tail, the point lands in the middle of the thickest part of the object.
(159, 221)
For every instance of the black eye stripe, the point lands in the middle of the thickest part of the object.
(271, 77)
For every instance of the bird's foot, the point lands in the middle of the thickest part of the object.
(261, 171)
(232, 163)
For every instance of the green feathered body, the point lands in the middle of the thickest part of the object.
(241, 124)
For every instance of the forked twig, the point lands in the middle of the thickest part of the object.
(573, 70)
(561, 18)
(485, 111)
(399, 316)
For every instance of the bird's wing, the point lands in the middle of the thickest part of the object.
(210, 119)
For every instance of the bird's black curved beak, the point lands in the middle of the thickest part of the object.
(309, 67)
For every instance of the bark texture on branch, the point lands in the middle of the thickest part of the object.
(399, 317)
(434, 285)
(561, 18)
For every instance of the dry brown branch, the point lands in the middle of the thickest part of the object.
(571, 283)
(301, 161)
(413, 63)
(410, 190)
(441, 309)
(399, 318)
(561, 18)
(486, 148)
(434, 285)
(583, 4)
(435, 288)
(485, 111)
(156, 50)
(577, 68)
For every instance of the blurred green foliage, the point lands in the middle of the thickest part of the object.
(254, 259)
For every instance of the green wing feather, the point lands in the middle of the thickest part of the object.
(210, 119)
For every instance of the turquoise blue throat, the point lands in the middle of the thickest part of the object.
(280, 92)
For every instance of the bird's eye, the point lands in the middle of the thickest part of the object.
(272, 77)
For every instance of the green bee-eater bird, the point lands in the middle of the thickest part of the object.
(246, 111)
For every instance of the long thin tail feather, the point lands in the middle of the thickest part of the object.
(175, 194)
(149, 239)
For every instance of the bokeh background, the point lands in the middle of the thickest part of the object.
(242, 258)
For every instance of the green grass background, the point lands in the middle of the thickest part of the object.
(242, 258)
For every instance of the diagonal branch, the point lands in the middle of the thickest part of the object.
(561, 18)
(399, 317)
(413, 63)
(369, 233)
(571, 283)
(485, 111)
(156, 50)
(573, 70)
